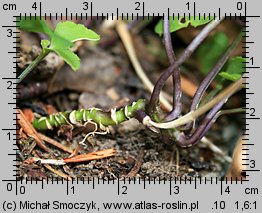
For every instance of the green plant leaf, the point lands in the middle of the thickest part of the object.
(71, 58)
(34, 25)
(231, 77)
(201, 21)
(58, 42)
(233, 69)
(62, 37)
(211, 50)
(177, 24)
(62, 40)
(73, 32)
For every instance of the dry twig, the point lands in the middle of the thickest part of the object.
(55, 143)
(76, 159)
(216, 149)
(30, 131)
(137, 165)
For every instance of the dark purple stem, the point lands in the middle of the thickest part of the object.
(213, 121)
(167, 40)
(169, 71)
(213, 73)
(185, 140)
(209, 125)
(210, 77)
(177, 92)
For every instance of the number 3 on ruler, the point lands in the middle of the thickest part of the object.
(85, 5)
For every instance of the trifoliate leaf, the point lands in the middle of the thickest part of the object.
(211, 50)
(71, 58)
(34, 25)
(233, 69)
(62, 37)
(62, 40)
(177, 24)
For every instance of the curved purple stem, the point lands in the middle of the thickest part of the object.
(210, 77)
(209, 125)
(167, 40)
(213, 73)
(177, 92)
(169, 71)
(186, 140)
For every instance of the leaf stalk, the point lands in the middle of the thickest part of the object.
(32, 66)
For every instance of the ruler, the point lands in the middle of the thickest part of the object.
(136, 194)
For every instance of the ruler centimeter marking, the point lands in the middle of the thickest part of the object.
(145, 183)
(133, 15)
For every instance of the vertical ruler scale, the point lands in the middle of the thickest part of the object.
(131, 195)
(10, 56)
(251, 140)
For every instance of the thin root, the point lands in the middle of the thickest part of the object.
(93, 132)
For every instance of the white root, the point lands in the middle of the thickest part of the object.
(106, 131)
